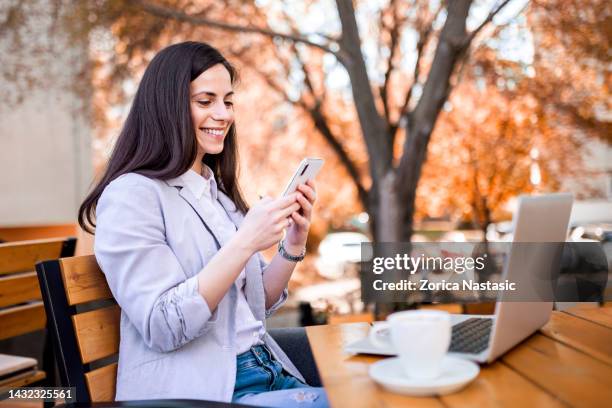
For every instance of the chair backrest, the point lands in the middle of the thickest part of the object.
(21, 310)
(85, 321)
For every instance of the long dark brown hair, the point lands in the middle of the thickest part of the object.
(158, 138)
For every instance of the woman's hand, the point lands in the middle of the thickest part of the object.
(263, 225)
(295, 241)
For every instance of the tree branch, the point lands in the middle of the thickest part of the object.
(422, 42)
(329, 38)
(466, 52)
(394, 33)
(320, 122)
(322, 126)
(296, 52)
(164, 12)
(307, 79)
(487, 20)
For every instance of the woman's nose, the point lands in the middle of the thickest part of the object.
(222, 112)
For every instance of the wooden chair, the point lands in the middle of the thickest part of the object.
(85, 320)
(21, 310)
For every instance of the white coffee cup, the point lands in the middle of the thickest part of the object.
(420, 337)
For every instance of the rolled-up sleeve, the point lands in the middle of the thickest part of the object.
(142, 271)
(284, 295)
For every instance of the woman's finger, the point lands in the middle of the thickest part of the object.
(283, 202)
(286, 212)
(300, 220)
(308, 191)
(306, 205)
(313, 186)
(281, 225)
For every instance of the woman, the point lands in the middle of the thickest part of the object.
(180, 248)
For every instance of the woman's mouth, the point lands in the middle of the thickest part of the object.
(214, 132)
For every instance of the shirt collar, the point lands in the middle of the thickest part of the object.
(200, 185)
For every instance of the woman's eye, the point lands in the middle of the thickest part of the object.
(229, 104)
(204, 103)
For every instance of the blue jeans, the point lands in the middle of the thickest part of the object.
(261, 380)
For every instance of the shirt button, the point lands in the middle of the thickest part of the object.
(254, 334)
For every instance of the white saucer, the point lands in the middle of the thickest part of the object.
(455, 374)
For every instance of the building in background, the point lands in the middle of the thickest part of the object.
(45, 131)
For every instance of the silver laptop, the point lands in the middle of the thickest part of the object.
(480, 338)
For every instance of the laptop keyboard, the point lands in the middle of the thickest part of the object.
(471, 336)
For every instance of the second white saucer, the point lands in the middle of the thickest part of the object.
(455, 374)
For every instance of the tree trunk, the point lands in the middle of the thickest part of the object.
(486, 220)
(388, 215)
(422, 120)
(375, 130)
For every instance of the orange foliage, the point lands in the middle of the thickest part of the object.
(483, 150)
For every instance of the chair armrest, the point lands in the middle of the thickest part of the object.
(294, 342)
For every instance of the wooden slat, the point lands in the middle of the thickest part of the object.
(101, 383)
(594, 313)
(22, 256)
(588, 337)
(22, 380)
(484, 308)
(500, 386)
(19, 288)
(18, 320)
(83, 280)
(571, 375)
(97, 333)
(351, 318)
(42, 231)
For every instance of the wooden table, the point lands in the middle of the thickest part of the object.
(567, 363)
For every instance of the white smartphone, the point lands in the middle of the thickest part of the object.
(307, 170)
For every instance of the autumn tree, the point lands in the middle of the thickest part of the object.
(572, 75)
(540, 115)
(382, 110)
(483, 155)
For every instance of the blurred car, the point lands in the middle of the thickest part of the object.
(601, 232)
(592, 232)
(418, 238)
(500, 232)
(339, 252)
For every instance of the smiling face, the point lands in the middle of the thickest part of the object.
(212, 110)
